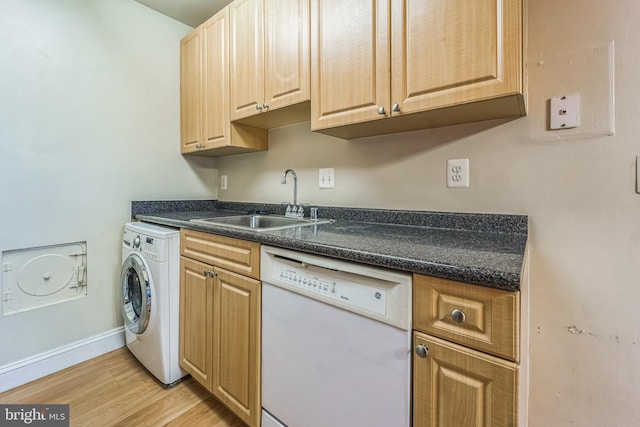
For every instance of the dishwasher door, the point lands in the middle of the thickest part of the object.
(324, 364)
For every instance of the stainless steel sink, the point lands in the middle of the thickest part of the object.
(259, 222)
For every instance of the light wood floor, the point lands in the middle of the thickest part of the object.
(116, 390)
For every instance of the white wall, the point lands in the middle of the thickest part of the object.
(579, 194)
(89, 120)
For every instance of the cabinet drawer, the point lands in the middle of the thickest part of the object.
(475, 316)
(236, 255)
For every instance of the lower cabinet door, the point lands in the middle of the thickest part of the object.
(236, 344)
(196, 302)
(454, 386)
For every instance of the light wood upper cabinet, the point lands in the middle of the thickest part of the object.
(350, 61)
(247, 57)
(269, 62)
(215, 91)
(381, 66)
(191, 91)
(204, 91)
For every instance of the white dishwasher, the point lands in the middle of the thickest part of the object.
(336, 342)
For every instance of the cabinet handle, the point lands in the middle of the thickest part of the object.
(422, 351)
(458, 316)
(382, 111)
(210, 273)
(258, 107)
(395, 108)
(265, 106)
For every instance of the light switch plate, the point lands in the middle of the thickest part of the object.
(326, 178)
(564, 112)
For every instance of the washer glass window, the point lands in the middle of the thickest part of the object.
(136, 294)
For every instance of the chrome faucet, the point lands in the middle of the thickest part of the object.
(295, 184)
(294, 210)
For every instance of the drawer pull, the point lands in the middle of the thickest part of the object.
(422, 351)
(458, 316)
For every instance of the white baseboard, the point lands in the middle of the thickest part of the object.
(43, 364)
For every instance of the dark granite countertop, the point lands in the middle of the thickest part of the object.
(482, 249)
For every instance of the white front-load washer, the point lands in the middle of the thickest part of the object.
(150, 297)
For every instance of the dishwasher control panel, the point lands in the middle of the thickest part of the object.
(331, 284)
(377, 293)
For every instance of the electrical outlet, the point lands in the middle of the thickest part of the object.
(326, 178)
(458, 173)
(223, 182)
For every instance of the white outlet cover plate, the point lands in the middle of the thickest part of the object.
(458, 173)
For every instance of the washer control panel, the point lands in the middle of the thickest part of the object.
(151, 248)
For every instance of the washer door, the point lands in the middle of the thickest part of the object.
(136, 293)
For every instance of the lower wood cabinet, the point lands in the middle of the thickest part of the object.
(466, 361)
(236, 344)
(458, 387)
(220, 320)
(196, 324)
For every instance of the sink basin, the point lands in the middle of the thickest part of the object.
(259, 222)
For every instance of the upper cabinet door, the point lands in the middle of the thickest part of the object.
(449, 52)
(215, 118)
(350, 62)
(190, 91)
(269, 57)
(286, 57)
(246, 57)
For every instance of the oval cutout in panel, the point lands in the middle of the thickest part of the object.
(46, 274)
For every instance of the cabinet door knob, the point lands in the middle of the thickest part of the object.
(395, 108)
(265, 106)
(458, 316)
(422, 351)
(209, 273)
(258, 107)
(382, 111)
